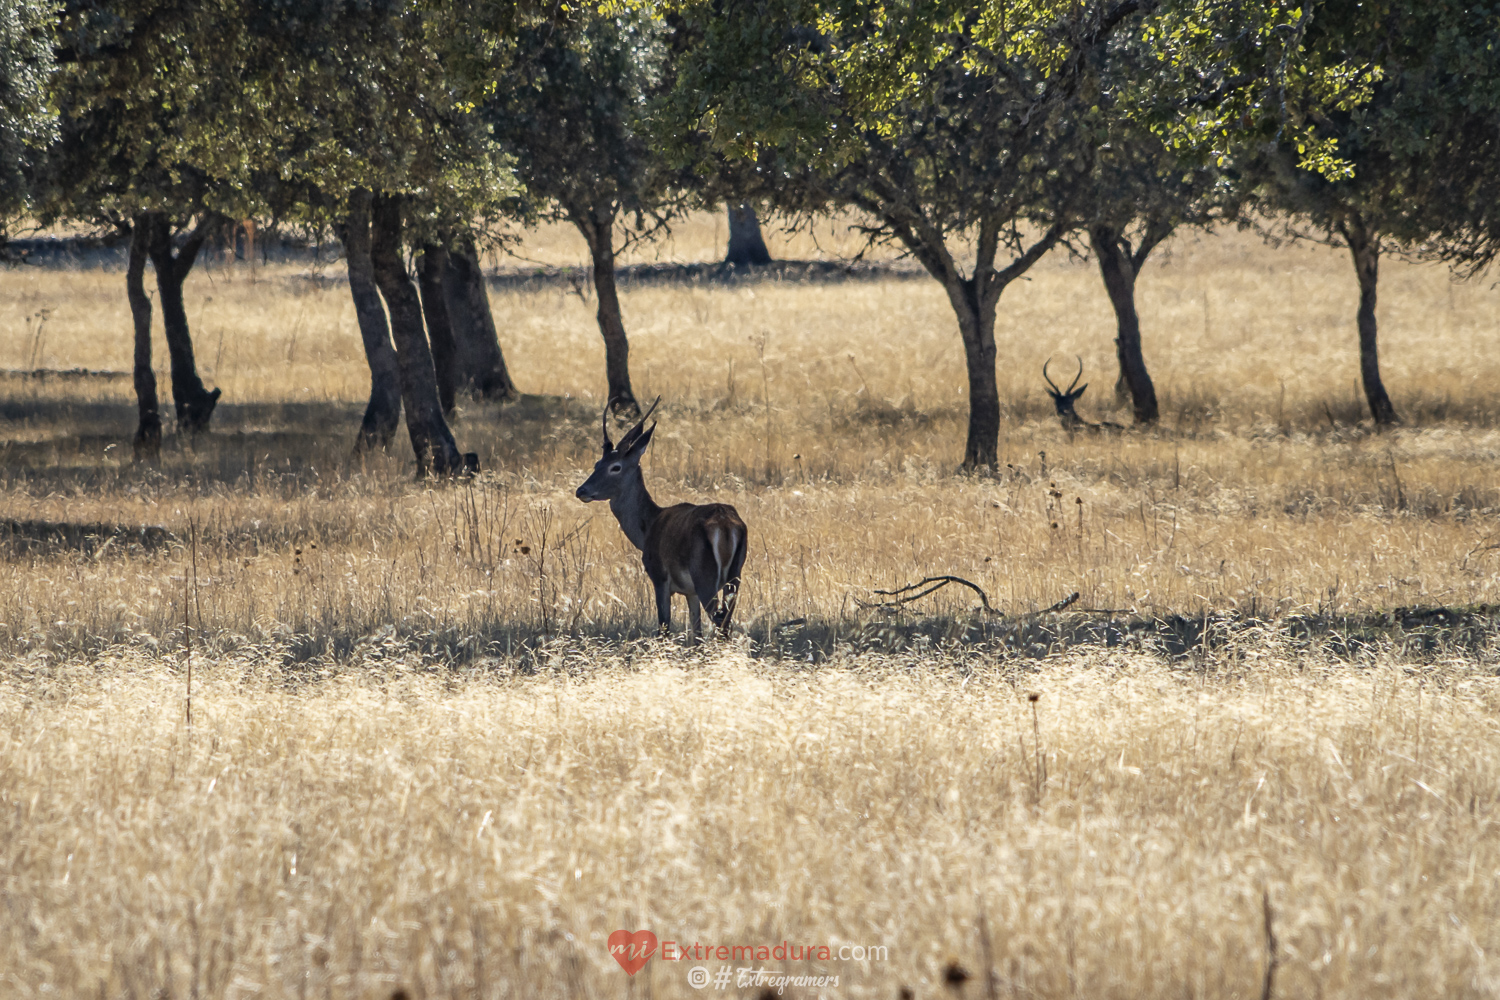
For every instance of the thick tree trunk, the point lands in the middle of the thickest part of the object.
(746, 246)
(975, 300)
(1119, 269)
(383, 412)
(194, 403)
(148, 430)
(432, 278)
(599, 229)
(976, 324)
(481, 364)
(431, 440)
(1364, 247)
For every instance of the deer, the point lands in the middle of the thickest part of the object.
(1064, 399)
(696, 550)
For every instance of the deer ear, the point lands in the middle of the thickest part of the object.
(638, 446)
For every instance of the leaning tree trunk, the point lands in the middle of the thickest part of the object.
(431, 280)
(431, 440)
(1364, 247)
(383, 412)
(194, 404)
(480, 362)
(148, 431)
(598, 228)
(746, 246)
(1119, 269)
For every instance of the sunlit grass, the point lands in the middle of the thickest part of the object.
(348, 832)
(421, 759)
(831, 415)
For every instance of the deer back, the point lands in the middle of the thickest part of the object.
(696, 544)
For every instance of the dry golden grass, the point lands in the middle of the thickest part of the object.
(350, 832)
(830, 414)
(374, 796)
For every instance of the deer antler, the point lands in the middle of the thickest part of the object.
(1055, 390)
(604, 426)
(1078, 376)
(635, 432)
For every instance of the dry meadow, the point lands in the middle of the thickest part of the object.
(430, 750)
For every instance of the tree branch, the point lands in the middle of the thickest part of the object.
(182, 262)
(1157, 229)
(1023, 263)
(939, 583)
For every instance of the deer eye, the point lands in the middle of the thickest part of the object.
(615, 468)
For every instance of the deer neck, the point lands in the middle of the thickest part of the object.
(634, 509)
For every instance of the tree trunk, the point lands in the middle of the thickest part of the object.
(383, 412)
(1364, 247)
(148, 431)
(599, 229)
(976, 324)
(1119, 272)
(434, 268)
(746, 246)
(431, 440)
(481, 364)
(975, 300)
(194, 404)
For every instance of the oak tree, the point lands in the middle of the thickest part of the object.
(142, 86)
(1416, 133)
(569, 116)
(957, 130)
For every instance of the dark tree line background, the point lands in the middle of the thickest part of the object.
(975, 138)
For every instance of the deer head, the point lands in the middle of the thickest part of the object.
(1064, 399)
(621, 462)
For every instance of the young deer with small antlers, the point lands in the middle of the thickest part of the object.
(1064, 399)
(691, 549)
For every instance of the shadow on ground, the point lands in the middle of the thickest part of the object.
(69, 438)
(1415, 635)
(109, 253)
(822, 272)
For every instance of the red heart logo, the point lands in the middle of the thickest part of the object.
(632, 949)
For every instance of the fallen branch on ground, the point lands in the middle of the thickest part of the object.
(1066, 602)
(938, 583)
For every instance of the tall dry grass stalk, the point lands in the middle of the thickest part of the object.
(380, 827)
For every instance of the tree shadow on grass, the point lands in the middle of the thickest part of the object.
(59, 439)
(1415, 634)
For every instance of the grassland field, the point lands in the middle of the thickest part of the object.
(434, 750)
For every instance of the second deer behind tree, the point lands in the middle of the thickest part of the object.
(1064, 399)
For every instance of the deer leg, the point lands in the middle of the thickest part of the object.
(663, 608)
(727, 604)
(695, 618)
(718, 608)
